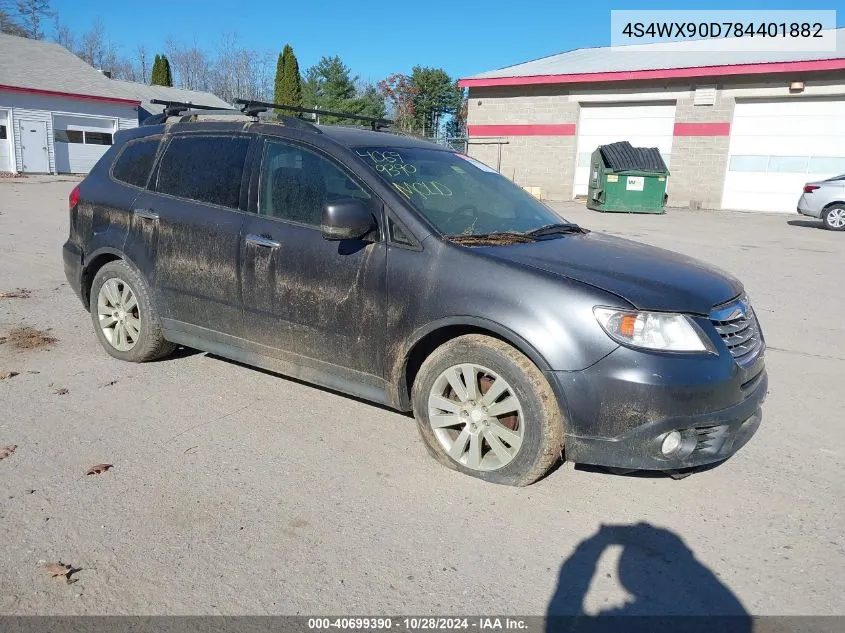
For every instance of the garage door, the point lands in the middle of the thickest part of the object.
(640, 125)
(80, 142)
(777, 146)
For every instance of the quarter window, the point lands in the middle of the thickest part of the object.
(296, 184)
(204, 168)
(135, 162)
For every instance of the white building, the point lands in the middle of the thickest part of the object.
(59, 115)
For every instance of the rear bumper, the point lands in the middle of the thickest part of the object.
(620, 410)
(806, 208)
(72, 256)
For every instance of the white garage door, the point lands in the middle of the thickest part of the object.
(777, 146)
(80, 142)
(640, 125)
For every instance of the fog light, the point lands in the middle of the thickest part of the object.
(671, 443)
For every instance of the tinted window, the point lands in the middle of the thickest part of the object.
(205, 168)
(98, 138)
(296, 184)
(135, 162)
(68, 136)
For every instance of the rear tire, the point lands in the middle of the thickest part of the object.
(124, 317)
(511, 436)
(834, 217)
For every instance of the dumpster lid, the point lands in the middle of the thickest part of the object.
(623, 156)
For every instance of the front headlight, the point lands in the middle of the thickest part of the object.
(653, 330)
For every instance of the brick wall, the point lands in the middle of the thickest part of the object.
(547, 162)
(699, 162)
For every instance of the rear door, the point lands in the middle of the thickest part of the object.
(191, 219)
(303, 295)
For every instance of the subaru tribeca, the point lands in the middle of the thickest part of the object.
(410, 275)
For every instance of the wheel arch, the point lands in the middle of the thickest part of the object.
(94, 263)
(433, 335)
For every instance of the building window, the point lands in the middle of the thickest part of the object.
(68, 136)
(3, 136)
(98, 138)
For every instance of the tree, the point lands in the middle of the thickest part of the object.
(32, 13)
(93, 45)
(288, 84)
(399, 94)
(64, 36)
(142, 63)
(155, 74)
(369, 101)
(161, 75)
(8, 23)
(435, 95)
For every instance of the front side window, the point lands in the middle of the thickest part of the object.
(204, 168)
(296, 184)
(457, 194)
(134, 163)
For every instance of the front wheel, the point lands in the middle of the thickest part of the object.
(834, 217)
(484, 409)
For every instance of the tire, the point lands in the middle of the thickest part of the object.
(534, 415)
(123, 284)
(834, 217)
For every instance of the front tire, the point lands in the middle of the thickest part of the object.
(834, 217)
(484, 409)
(124, 317)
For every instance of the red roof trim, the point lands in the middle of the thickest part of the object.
(549, 129)
(69, 95)
(702, 129)
(665, 73)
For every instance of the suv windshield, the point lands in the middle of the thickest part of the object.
(457, 194)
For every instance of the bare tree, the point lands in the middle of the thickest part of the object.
(141, 54)
(32, 13)
(93, 45)
(64, 36)
(190, 65)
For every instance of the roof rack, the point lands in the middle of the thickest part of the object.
(175, 108)
(253, 108)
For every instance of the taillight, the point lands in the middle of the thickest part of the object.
(73, 198)
(810, 188)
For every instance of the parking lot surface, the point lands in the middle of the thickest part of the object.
(237, 491)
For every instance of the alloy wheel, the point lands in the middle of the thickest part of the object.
(119, 317)
(476, 416)
(836, 218)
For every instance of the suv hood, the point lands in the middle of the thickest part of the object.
(650, 278)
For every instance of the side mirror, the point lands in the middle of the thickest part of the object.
(348, 219)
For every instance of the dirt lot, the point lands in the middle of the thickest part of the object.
(237, 491)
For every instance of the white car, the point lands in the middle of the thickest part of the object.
(825, 200)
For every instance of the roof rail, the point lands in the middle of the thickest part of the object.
(250, 106)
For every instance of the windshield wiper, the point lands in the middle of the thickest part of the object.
(557, 229)
(483, 239)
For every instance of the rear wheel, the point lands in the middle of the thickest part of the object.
(834, 217)
(484, 409)
(125, 320)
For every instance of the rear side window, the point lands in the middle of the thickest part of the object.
(204, 168)
(134, 163)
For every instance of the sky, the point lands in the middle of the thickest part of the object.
(380, 37)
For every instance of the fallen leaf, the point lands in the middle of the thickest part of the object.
(5, 451)
(24, 338)
(62, 392)
(4, 375)
(60, 570)
(98, 469)
(57, 569)
(19, 293)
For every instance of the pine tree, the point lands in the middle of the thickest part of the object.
(277, 84)
(166, 75)
(291, 85)
(155, 75)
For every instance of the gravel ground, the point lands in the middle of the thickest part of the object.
(237, 491)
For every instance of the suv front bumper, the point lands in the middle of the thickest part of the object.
(620, 409)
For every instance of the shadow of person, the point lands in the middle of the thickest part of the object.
(669, 590)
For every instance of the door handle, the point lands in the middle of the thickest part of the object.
(146, 214)
(260, 240)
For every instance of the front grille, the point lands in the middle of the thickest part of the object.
(738, 327)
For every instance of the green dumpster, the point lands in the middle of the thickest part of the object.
(627, 179)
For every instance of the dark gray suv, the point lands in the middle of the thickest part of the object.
(394, 270)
